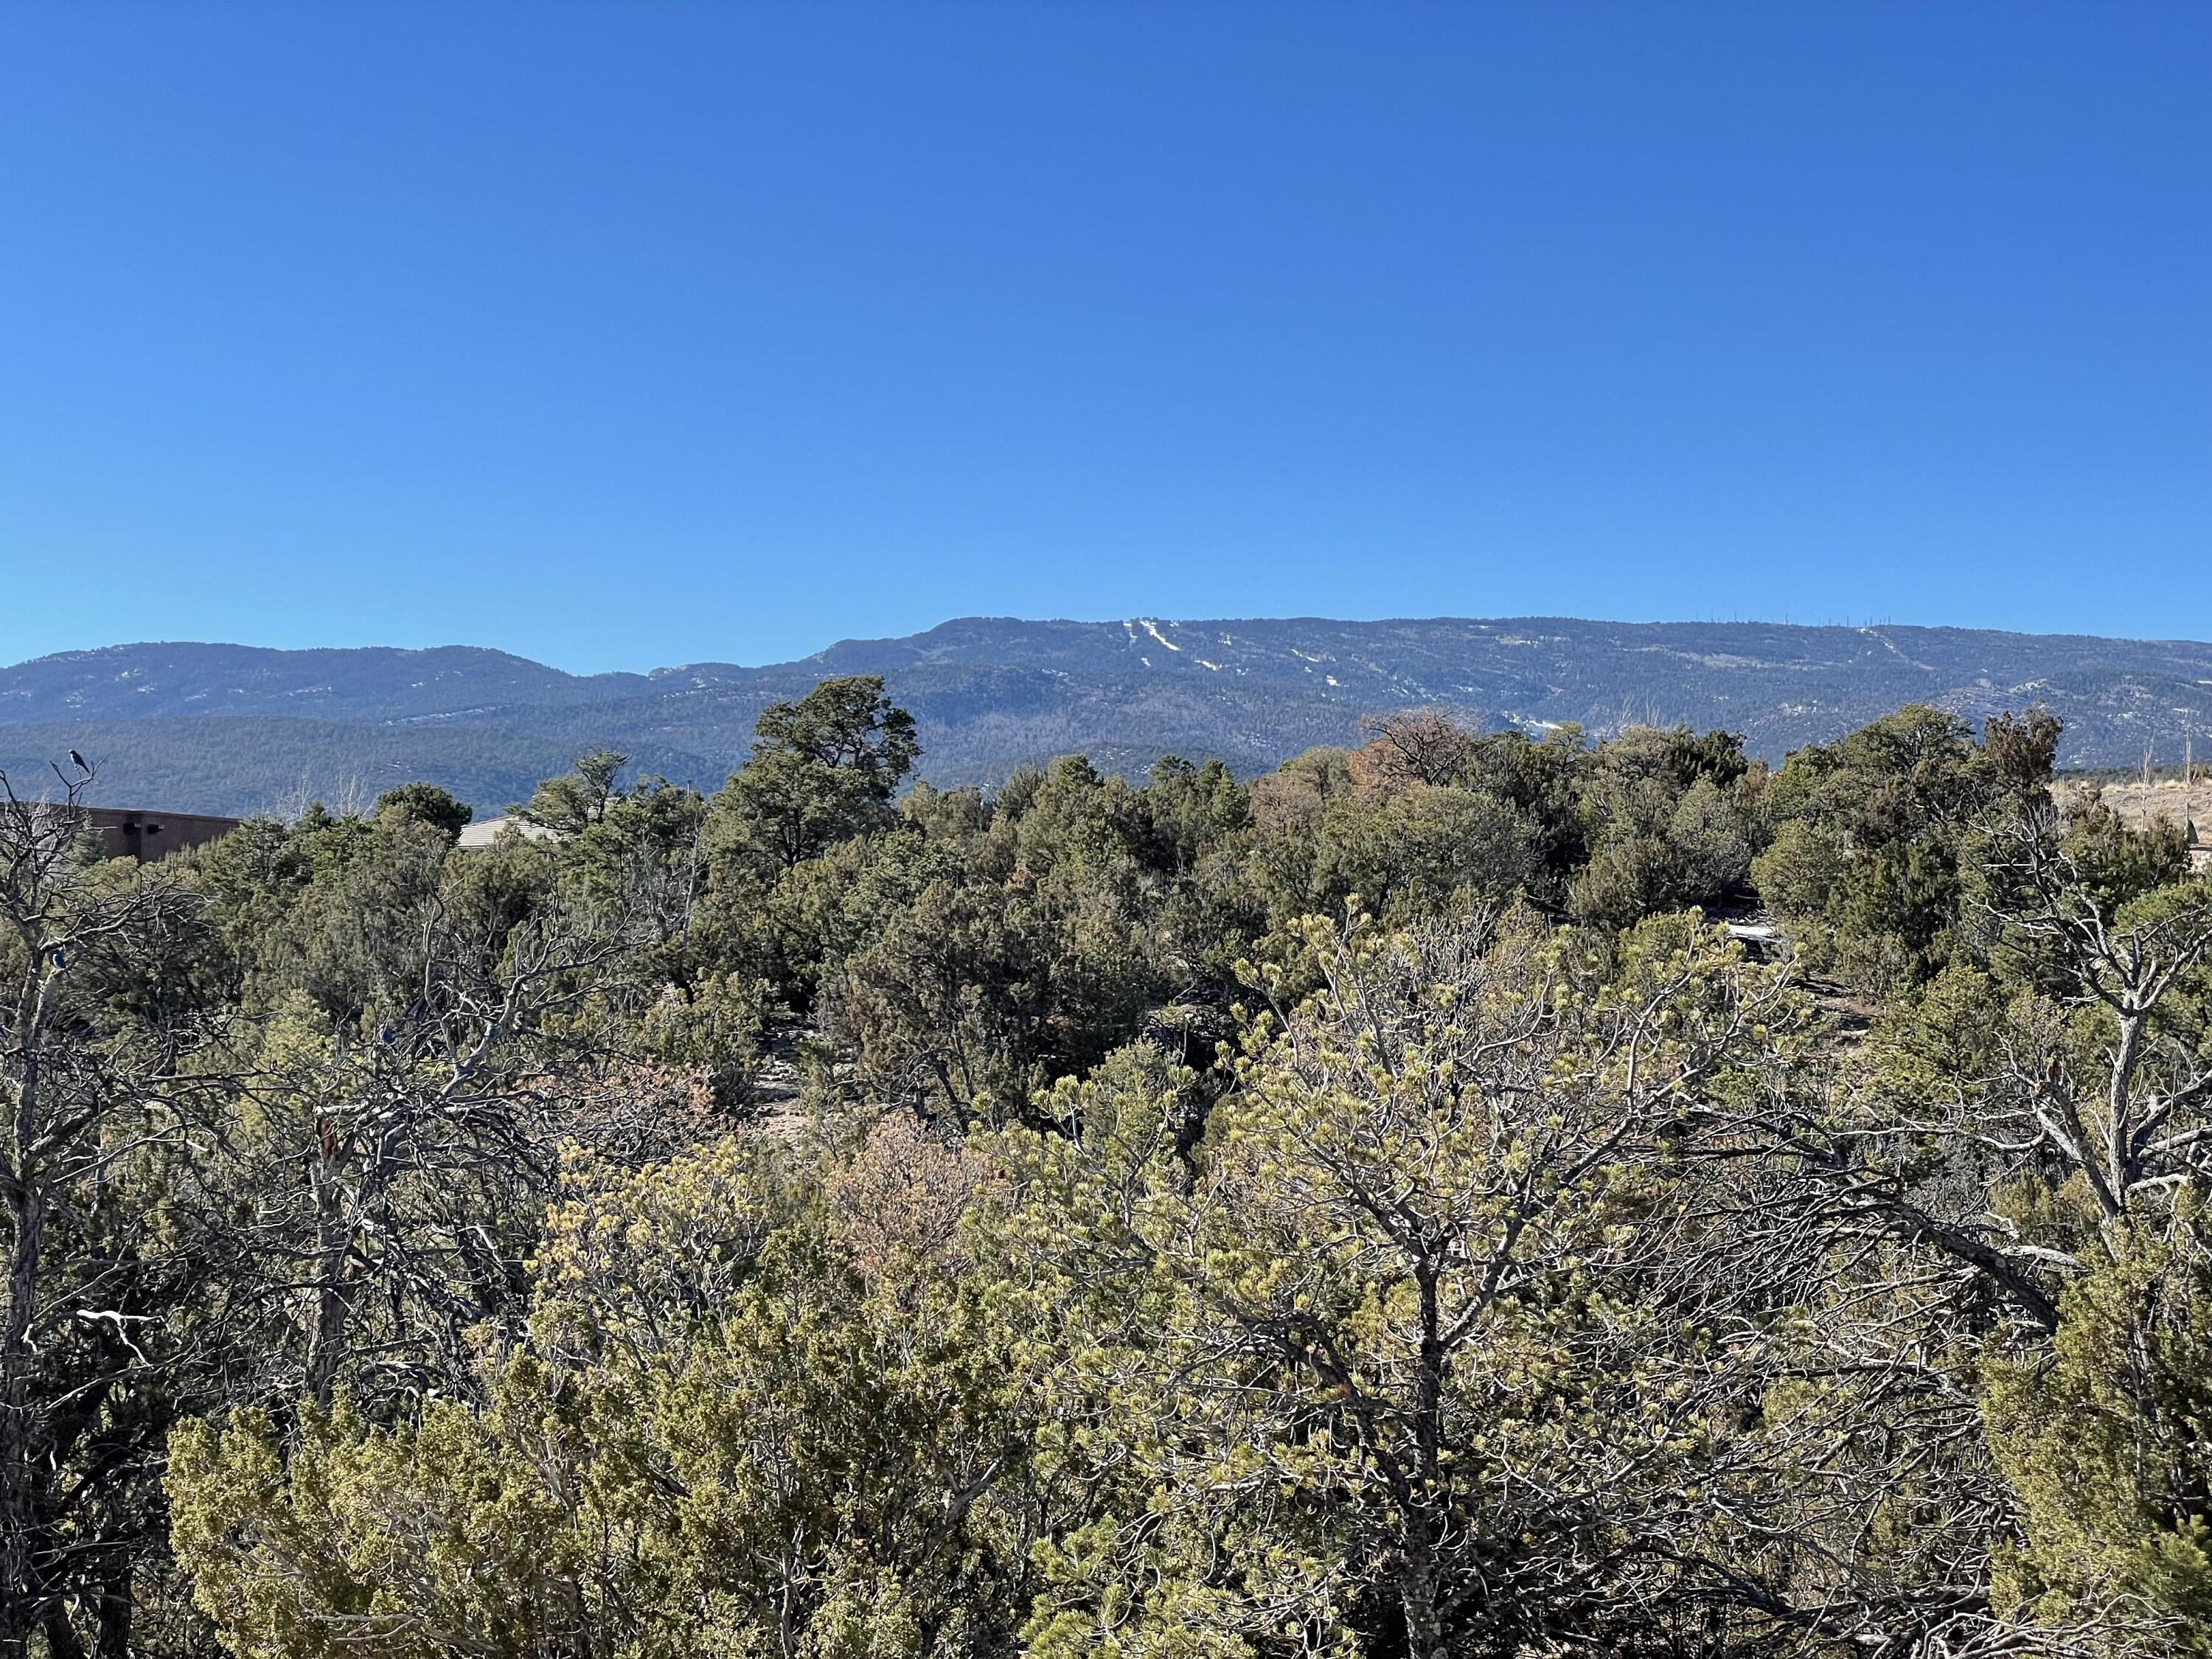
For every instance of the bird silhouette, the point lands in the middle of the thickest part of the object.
(78, 761)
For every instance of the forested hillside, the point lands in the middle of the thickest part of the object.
(1371, 1208)
(993, 695)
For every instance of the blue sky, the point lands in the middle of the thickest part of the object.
(631, 335)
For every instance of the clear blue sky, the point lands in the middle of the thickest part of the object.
(627, 335)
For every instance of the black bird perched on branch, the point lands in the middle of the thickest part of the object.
(77, 761)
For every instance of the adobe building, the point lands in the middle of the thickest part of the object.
(487, 831)
(129, 833)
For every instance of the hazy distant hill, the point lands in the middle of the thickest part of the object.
(223, 727)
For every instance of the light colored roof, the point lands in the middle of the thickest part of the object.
(484, 834)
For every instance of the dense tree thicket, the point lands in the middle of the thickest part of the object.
(1375, 1209)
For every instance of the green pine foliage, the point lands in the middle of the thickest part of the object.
(1378, 1208)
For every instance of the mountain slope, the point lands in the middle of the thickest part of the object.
(245, 764)
(217, 727)
(372, 683)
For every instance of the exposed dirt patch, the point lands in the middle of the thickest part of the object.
(778, 1109)
(2171, 800)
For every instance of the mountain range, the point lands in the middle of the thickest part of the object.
(238, 729)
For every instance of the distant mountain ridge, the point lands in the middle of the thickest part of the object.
(233, 728)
